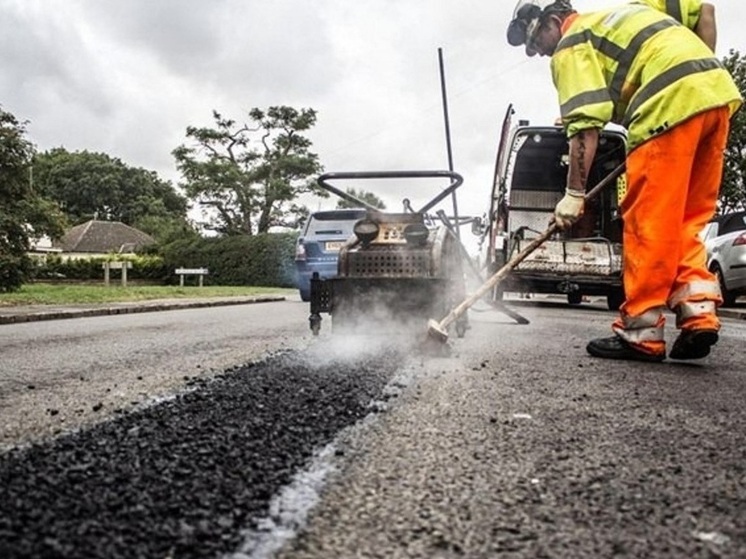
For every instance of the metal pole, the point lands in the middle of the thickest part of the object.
(448, 135)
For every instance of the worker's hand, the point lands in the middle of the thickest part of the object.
(569, 209)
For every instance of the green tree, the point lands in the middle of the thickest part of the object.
(365, 196)
(251, 174)
(24, 214)
(94, 185)
(733, 189)
(165, 228)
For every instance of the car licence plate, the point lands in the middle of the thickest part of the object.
(333, 246)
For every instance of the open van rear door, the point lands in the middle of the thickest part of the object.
(530, 178)
(497, 216)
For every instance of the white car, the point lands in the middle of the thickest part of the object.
(725, 240)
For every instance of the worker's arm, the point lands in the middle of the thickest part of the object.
(582, 150)
(706, 29)
(583, 147)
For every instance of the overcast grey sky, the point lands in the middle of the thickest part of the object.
(126, 77)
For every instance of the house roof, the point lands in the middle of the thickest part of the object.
(103, 236)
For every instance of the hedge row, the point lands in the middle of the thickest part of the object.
(53, 266)
(260, 260)
(265, 260)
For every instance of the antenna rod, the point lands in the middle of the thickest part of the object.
(448, 134)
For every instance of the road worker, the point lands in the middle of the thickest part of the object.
(638, 67)
(696, 15)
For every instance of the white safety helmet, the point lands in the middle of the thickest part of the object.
(527, 17)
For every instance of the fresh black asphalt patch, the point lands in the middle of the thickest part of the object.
(187, 476)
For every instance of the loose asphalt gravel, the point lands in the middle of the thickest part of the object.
(189, 476)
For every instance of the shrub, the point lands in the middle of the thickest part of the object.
(258, 260)
(53, 266)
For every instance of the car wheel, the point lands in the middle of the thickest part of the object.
(575, 298)
(315, 323)
(729, 299)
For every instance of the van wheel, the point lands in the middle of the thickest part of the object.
(575, 298)
(614, 299)
(498, 292)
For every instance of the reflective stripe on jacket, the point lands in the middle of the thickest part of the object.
(685, 12)
(637, 67)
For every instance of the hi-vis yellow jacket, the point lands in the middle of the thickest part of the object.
(637, 67)
(685, 12)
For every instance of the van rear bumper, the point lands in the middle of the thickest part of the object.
(558, 283)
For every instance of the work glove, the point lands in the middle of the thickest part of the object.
(569, 209)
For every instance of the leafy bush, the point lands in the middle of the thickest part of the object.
(144, 267)
(14, 271)
(260, 260)
(257, 260)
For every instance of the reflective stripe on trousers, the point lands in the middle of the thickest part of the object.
(645, 331)
(672, 187)
(695, 302)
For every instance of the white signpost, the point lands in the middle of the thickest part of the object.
(108, 266)
(201, 272)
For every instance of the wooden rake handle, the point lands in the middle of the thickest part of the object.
(498, 276)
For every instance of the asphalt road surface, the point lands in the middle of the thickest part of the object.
(513, 444)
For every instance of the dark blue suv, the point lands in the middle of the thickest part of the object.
(318, 246)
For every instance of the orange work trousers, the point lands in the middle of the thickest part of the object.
(673, 181)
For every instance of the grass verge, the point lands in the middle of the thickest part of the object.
(68, 294)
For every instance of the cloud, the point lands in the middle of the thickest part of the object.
(127, 78)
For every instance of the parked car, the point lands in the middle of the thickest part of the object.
(725, 240)
(318, 246)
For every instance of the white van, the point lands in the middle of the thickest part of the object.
(530, 178)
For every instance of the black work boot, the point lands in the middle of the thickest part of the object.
(693, 344)
(615, 347)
